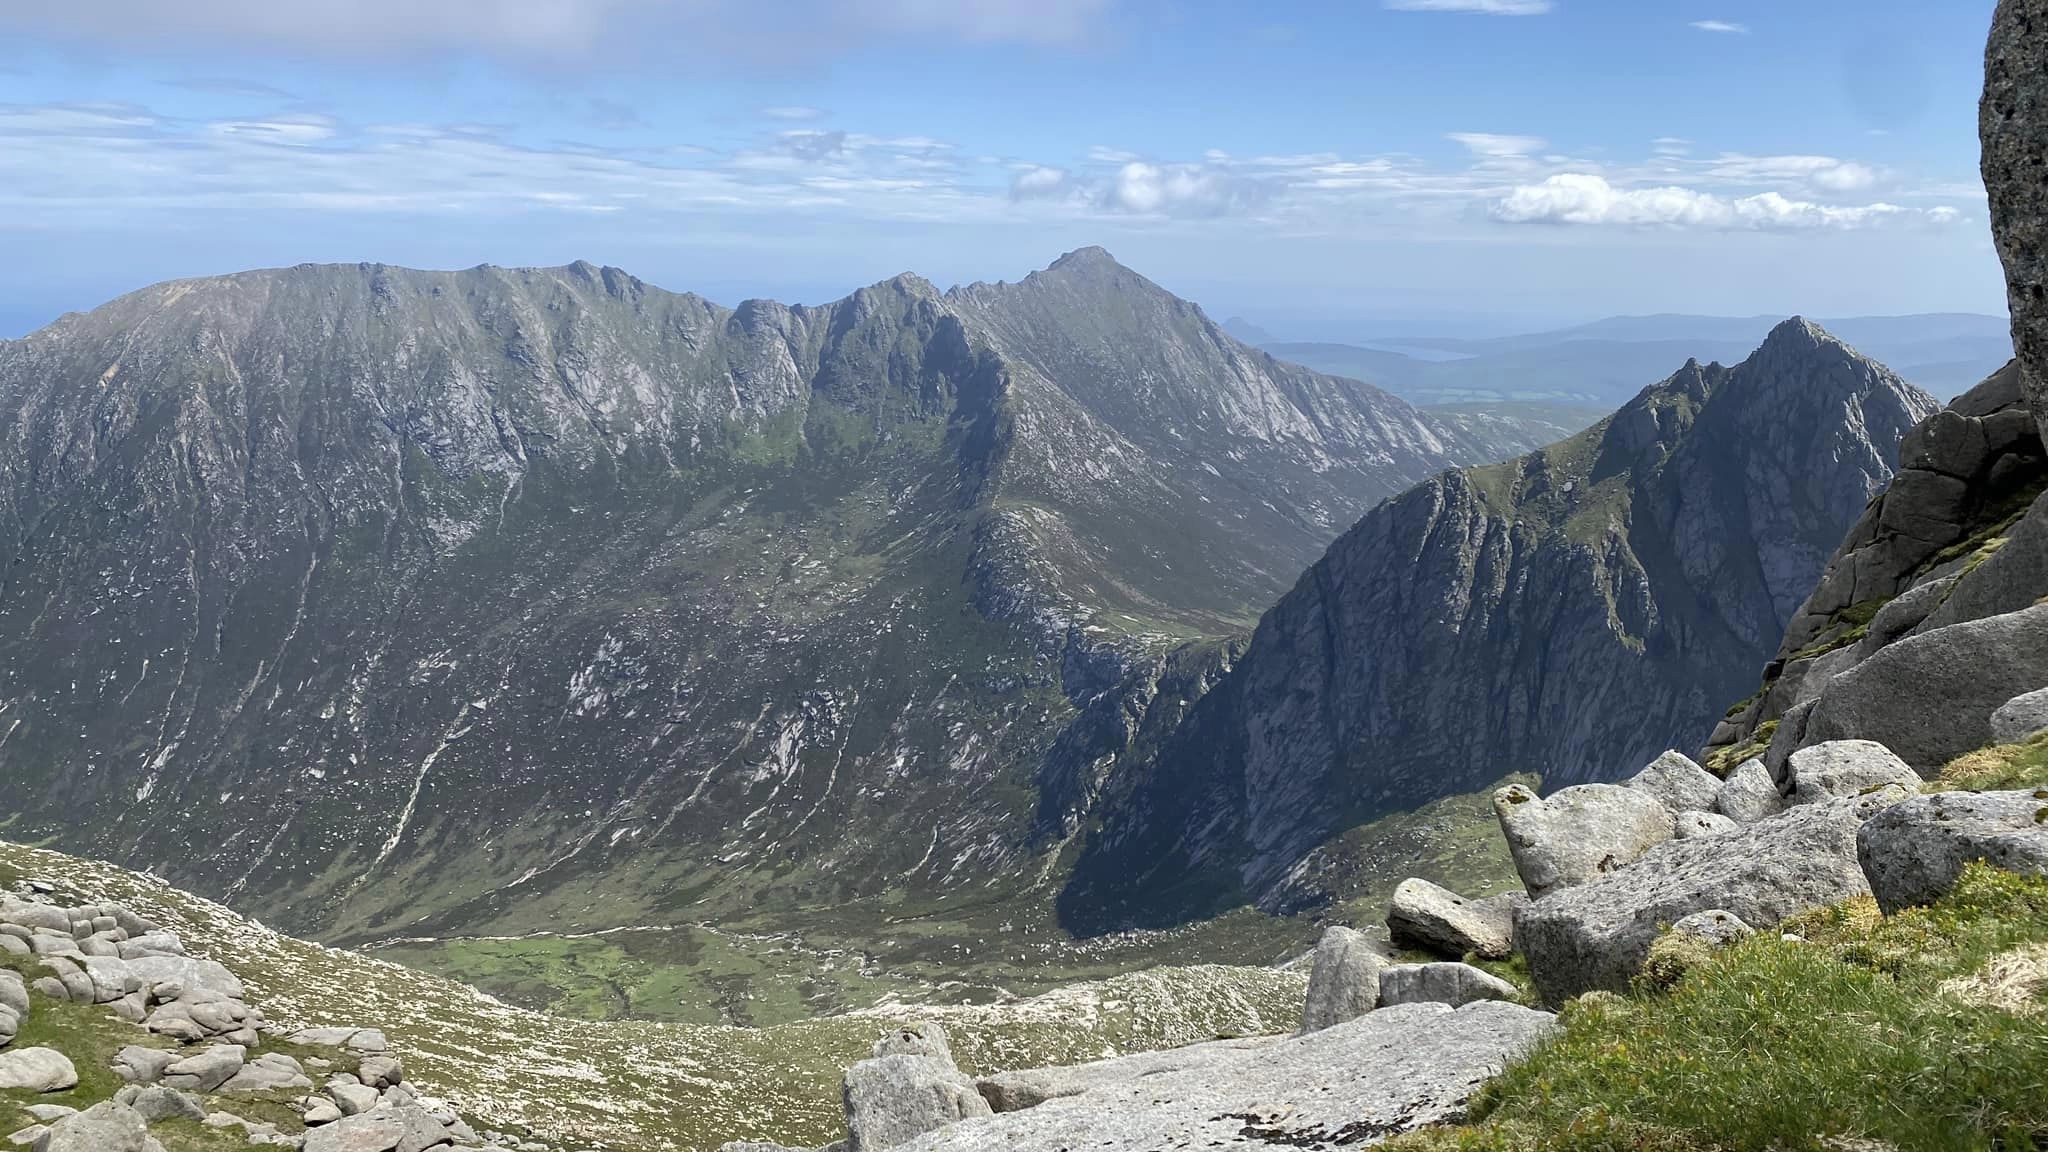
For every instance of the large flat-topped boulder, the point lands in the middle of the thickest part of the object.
(1030, 1087)
(1357, 1083)
(1914, 852)
(1596, 935)
(1576, 835)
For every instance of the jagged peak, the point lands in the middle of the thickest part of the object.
(1091, 256)
(1800, 334)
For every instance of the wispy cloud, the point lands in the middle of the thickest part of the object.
(793, 112)
(1725, 27)
(1582, 198)
(1483, 7)
(1497, 146)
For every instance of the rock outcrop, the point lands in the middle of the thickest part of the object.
(1391, 1071)
(2013, 128)
(1596, 935)
(1913, 852)
(1344, 983)
(1435, 919)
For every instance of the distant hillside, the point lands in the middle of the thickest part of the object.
(1604, 362)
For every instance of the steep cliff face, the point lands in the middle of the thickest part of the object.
(1571, 613)
(361, 595)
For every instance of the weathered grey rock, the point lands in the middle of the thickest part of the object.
(105, 1127)
(1345, 981)
(1435, 919)
(44, 917)
(1913, 852)
(1445, 983)
(368, 1041)
(381, 1071)
(319, 1111)
(2021, 718)
(155, 1102)
(188, 973)
(207, 1070)
(139, 1065)
(925, 1039)
(2013, 128)
(1692, 825)
(14, 946)
(1578, 834)
(1391, 1071)
(52, 987)
(1841, 768)
(270, 1072)
(1929, 697)
(1716, 927)
(1679, 782)
(26, 1137)
(351, 1097)
(1030, 1087)
(13, 993)
(1596, 935)
(892, 1099)
(757, 1146)
(1749, 794)
(378, 1131)
(37, 1070)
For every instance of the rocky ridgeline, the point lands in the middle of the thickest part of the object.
(200, 1049)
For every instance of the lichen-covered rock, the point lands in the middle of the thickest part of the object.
(1388, 1072)
(105, 1127)
(1912, 853)
(1578, 834)
(891, 1099)
(1749, 794)
(155, 1103)
(37, 1070)
(1435, 919)
(1446, 983)
(1596, 935)
(206, 1071)
(1841, 768)
(1344, 982)
(1691, 825)
(1679, 782)
(1714, 926)
(2021, 718)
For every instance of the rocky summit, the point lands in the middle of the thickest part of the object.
(1568, 613)
(372, 598)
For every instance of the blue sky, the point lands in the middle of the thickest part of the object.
(1326, 166)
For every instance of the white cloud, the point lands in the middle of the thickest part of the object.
(1824, 172)
(1037, 181)
(1725, 27)
(793, 112)
(1584, 198)
(1486, 7)
(1671, 146)
(1492, 145)
(1178, 190)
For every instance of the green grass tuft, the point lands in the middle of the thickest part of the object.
(1796, 1045)
(2001, 768)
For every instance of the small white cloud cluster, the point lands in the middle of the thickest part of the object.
(1583, 198)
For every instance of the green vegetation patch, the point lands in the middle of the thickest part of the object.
(1725, 760)
(2001, 768)
(1867, 1029)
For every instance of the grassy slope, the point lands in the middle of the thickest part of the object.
(642, 1085)
(1923, 1030)
(751, 970)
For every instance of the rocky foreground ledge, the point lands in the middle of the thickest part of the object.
(1675, 861)
(189, 1052)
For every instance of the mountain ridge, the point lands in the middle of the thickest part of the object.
(1455, 633)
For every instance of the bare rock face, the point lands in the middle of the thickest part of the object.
(1596, 935)
(1344, 984)
(2013, 126)
(1435, 919)
(1657, 557)
(1912, 853)
(1579, 834)
(1359, 1082)
(1448, 982)
(910, 1086)
(1841, 768)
